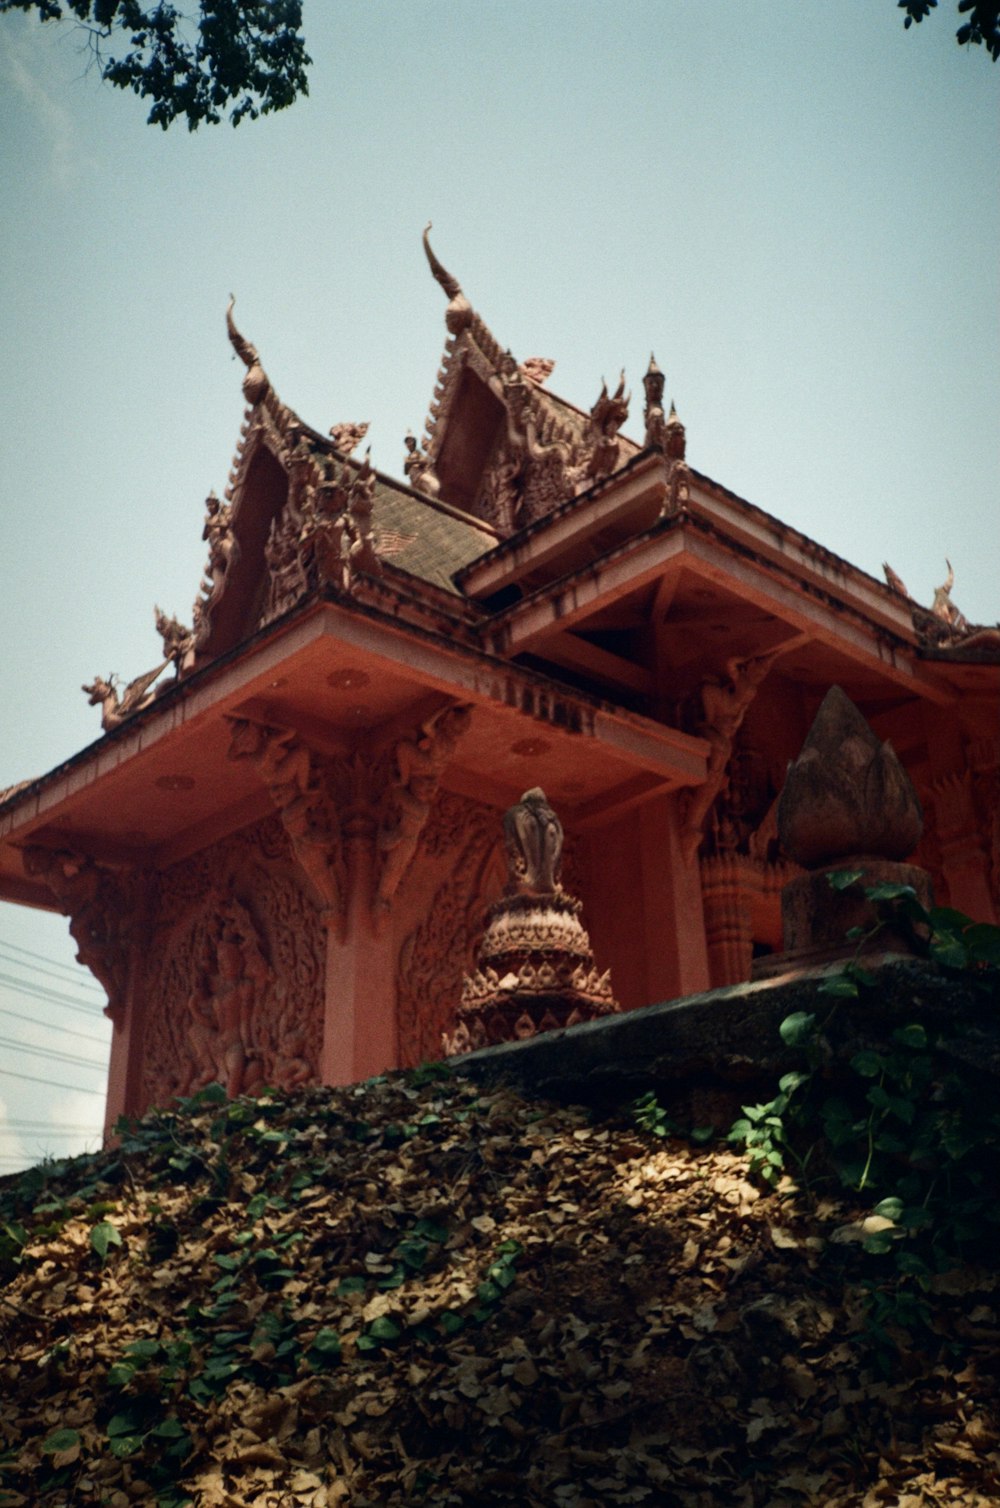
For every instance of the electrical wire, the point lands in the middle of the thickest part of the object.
(56, 963)
(31, 1078)
(79, 973)
(54, 1126)
(51, 997)
(64, 1031)
(53, 1054)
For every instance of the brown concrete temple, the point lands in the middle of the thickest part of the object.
(277, 858)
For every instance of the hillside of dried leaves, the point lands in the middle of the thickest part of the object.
(419, 1292)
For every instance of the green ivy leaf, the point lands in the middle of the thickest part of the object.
(103, 1237)
(842, 879)
(384, 1328)
(889, 891)
(867, 1063)
(840, 986)
(890, 1209)
(64, 1443)
(797, 1028)
(325, 1350)
(910, 1036)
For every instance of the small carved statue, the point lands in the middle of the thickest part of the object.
(347, 437)
(533, 838)
(116, 708)
(724, 701)
(418, 468)
(281, 761)
(218, 534)
(360, 507)
(606, 418)
(420, 763)
(177, 639)
(538, 369)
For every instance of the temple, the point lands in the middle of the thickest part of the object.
(278, 856)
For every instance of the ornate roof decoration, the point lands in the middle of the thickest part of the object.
(944, 629)
(497, 443)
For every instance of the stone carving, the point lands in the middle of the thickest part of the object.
(944, 609)
(418, 468)
(533, 838)
(361, 555)
(847, 793)
(347, 437)
(724, 703)
(285, 765)
(668, 434)
(116, 707)
(234, 984)
(606, 418)
(847, 803)
(103, 914)
(218, 535)
(945, 629)
(177, 640)
(419, 764)
(538, 369)
(441, 947)
(534, 966)
(459, 312)
(323, 534)
(895, 582)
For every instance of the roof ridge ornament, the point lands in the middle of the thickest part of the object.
(256, 383)
(459, 311)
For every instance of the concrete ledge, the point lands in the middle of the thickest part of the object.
(722, 1045)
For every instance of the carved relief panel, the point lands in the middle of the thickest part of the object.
(235, 980)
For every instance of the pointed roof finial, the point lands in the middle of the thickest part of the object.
(245, 349)
(450, 285)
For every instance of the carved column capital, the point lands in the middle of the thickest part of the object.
(106, 913)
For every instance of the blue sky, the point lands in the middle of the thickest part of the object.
(796, 205)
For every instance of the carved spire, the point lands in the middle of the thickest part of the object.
(459, 311)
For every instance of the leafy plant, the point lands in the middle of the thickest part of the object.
(896, 1124)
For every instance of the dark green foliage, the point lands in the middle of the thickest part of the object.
(981, 28)
(899, 1123)
(246, 57)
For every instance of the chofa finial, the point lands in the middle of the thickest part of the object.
(450, 285)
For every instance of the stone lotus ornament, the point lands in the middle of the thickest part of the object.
(847, 793)
(535, 968)
(847, 805)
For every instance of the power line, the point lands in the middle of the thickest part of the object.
(78, 972)
(53, 1053)
(64, 1031)
(54, 1126)
(30, 1078)
(70, 968)
(51, 997)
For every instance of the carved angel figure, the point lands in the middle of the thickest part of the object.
(533, 838)
(280, 760)
(420, 763)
